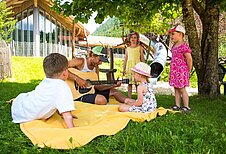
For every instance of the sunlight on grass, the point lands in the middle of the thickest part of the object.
(25, 69)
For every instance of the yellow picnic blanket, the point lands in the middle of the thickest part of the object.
(93, 120)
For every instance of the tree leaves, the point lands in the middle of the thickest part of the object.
(140, 15)
(7, 23)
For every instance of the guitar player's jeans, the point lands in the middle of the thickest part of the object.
(90, 98)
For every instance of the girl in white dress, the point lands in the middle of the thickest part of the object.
(146, 101)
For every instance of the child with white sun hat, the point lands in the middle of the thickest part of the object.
(146, 101)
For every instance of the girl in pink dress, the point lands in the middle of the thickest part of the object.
(180, 67)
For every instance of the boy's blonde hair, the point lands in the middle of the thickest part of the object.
(54, 64)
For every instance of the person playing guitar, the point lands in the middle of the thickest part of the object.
(91, 64)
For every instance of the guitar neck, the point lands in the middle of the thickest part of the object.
(92, 77)
(102, 82)
(98, 82)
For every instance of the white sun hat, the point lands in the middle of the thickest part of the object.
(142, 68)
(177, 28)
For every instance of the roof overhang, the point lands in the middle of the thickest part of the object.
(21, 5)
(113, 42)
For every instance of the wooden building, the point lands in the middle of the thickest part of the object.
(40, 30)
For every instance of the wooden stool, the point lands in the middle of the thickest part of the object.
(110, 72)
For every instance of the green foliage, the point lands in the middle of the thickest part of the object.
(165, 74)
(201, 131)
(222, 47)
(146, 16)
(139, 15)
(118, 63)
(111, 28)
(7, 23)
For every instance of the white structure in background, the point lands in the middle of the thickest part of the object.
(113, 42)
(101, 40)
(160, 56)
(159, 62)
(144, 39)
(40, 31)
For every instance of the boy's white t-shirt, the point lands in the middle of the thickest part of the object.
(50, 95)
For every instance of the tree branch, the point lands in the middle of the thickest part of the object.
(198, 7)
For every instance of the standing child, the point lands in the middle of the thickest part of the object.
(180, 67)
(51, 95)
(133, 55)
(146, 101)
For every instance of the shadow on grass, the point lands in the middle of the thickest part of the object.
(10, 90)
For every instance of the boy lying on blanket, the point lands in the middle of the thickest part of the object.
(51, 95)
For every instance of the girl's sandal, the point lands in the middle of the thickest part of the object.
(185, 109)
(175, 108)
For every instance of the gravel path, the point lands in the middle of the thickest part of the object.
(163, 88)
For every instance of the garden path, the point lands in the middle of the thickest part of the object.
(163, 88)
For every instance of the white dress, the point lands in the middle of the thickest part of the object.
(149, 101)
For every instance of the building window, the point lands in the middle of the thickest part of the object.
(52, 37)
(54, 31)
(69, 44)
(30, 33)
(59, 33)
(17, 37)
(42, 32)
(48, 33)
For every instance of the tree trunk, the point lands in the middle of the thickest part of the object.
(205, 49)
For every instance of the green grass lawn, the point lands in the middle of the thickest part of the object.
(201, 131)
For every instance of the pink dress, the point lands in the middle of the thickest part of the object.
(179, 73)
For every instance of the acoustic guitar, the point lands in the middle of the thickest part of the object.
(92, 79)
